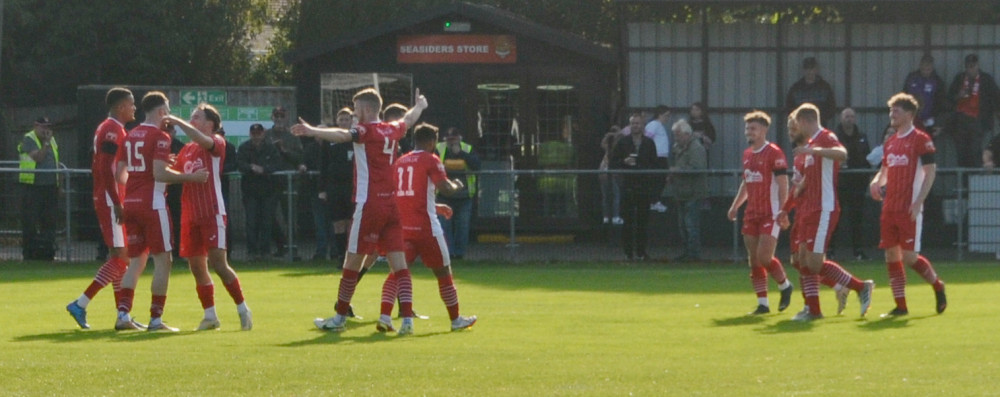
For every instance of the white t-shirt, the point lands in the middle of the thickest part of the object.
(658, 133)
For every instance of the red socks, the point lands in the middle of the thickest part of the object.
(126, 296)
(832, 271)
(897, 280)
(390, 288)
(235, 291)
(348, 281)
(758, 277)
(405, 284)
(446, 287)
(156, 307)
(924, 268)
(777, 271)
(206, 294)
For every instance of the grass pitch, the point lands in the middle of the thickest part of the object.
(544, 329)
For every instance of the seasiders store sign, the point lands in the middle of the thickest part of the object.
(456, 49)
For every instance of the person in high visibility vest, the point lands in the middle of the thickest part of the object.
(38, 151)
(458, 159)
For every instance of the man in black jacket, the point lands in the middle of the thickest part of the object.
(853, 186)
(257, 159)
(976, 97)
(635, 152)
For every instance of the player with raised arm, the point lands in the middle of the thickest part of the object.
(203, 217)
(145, 156)
(375, 226)
(818, 212)
(907, 174)
(764, 188)
(418, 174)
(108, 192)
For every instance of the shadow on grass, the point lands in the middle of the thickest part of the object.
(787, 326)
(91, 335)
(331, 338)
(889, 322)
(736, 321)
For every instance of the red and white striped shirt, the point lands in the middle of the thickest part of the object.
(202, 200)
(821, 175)
(904, 168)
(374, 152)
(759, 169)
(143, 145)
(417, 173)
(107, 191)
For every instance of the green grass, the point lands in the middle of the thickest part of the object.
(544, 329)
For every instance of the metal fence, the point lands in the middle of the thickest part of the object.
(547, 215)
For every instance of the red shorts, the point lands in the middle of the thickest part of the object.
(432, 250)
(761, 226)
(375, 228)
(200, 235)
(148, 231)
(898, 229)
(112, 231)
(814, 229)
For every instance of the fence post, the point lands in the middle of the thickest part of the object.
(68, 248)
(512, 244)
(291, 248)
(961, 214)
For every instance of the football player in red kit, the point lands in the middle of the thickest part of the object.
(907, 174)
(203, 214)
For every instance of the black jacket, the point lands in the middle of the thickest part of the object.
(645, 160)
(265, 155)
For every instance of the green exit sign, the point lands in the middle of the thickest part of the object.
(211, 97)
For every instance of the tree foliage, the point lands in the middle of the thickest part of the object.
(51, 47)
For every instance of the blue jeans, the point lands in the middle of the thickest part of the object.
(456, 229)
(610, 195)
(690, 219)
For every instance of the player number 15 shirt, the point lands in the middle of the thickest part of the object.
(142, 146)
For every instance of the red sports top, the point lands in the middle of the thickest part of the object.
(821, 175)
(417, 173)
(759, 170)
(905, 173)
(108, 139)
(202, 200)
(374, 152)
(144, 144)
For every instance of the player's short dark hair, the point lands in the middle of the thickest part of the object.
(116, 95)
(757, 116)
(153, 100)
(806, 112)
(424, 133)
(345, 110)
(905, 101)
(211, 114)
(369, 96)
(394, 111)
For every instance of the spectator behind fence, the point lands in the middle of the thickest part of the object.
(703, 129)
(257, 159)
(336, 183)
(38, 150)
(690, 189)
(990, 153)
(291, 156)
(458, 158)
(976, 97)
(635, 152)
(874, 157)
(610, 193)
(657, 131)
(925, 85)
(811, 88)
(853, 186)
